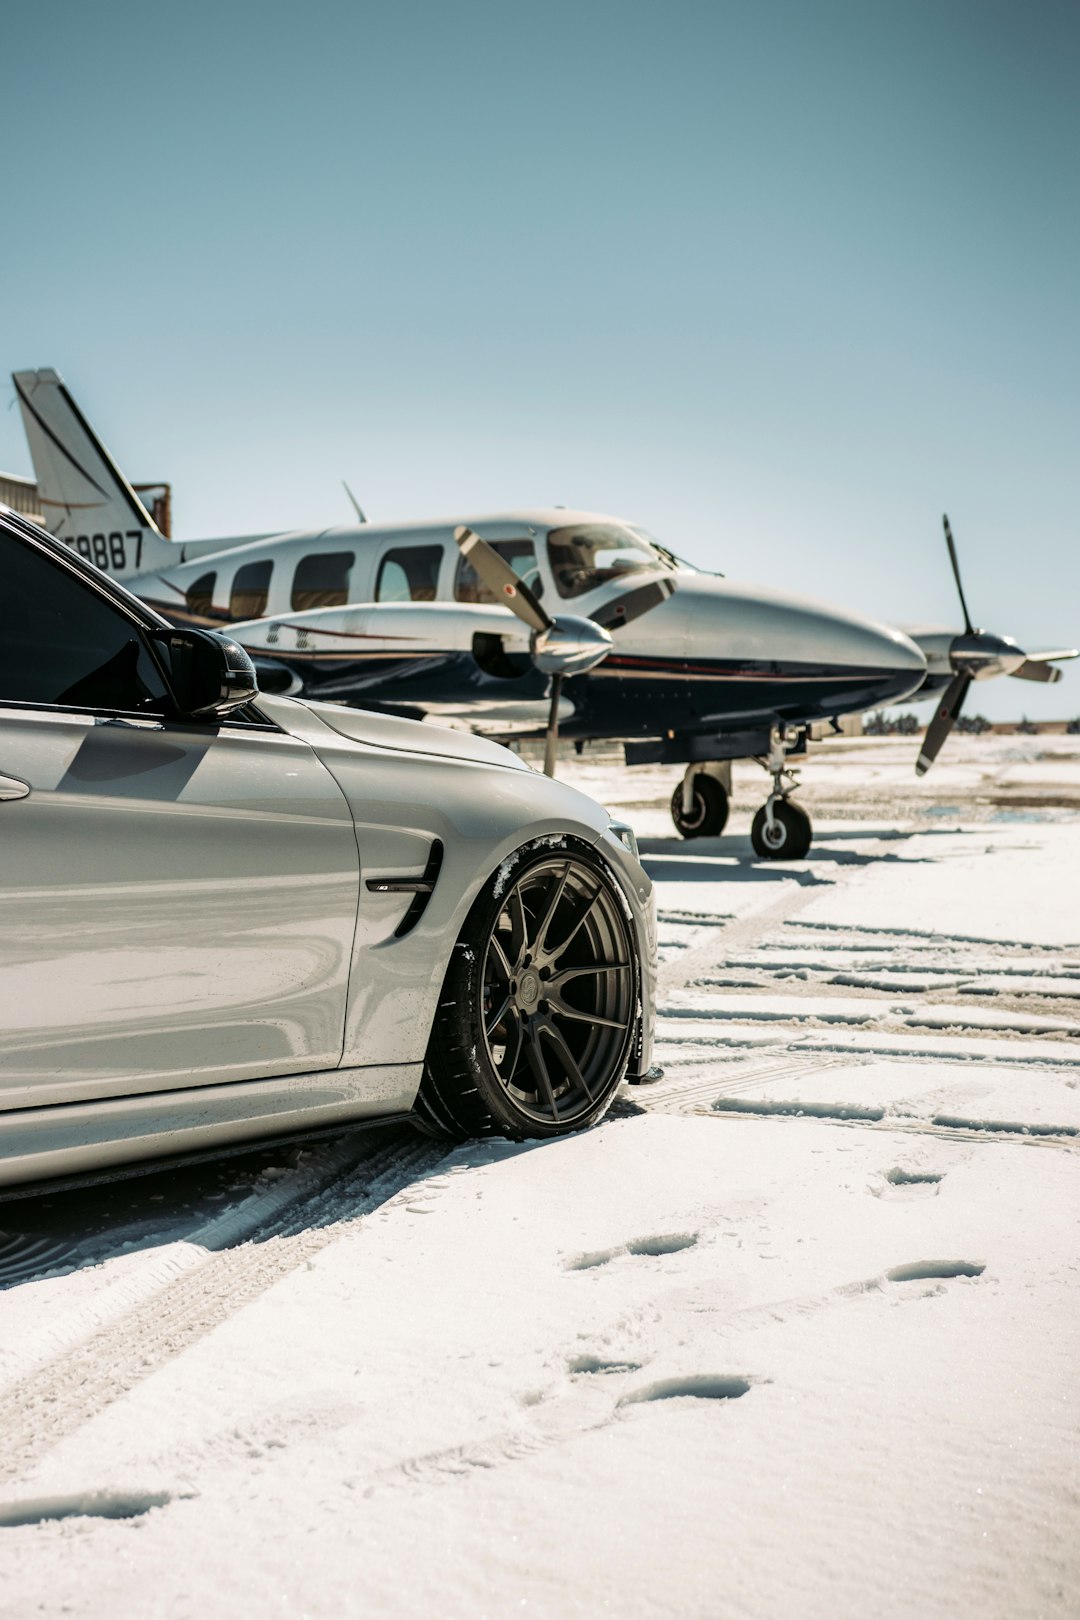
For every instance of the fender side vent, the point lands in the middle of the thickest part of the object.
(421, 889)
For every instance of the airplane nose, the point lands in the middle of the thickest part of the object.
(794, 657)
(863, 653)
(896, 649)
(899, 648)
(906, 662)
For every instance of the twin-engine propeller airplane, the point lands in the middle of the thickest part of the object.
(609, 635)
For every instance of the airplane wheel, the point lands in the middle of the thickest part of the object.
(789, 837)
(708, 817)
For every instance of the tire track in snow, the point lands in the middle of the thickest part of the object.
(705, 1090)
(722, 937)
(928, 937)
(1063, 1139)
(54, 1401)
(695, 1092)
(131, 1279)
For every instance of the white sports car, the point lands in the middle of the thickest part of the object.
(227, 916)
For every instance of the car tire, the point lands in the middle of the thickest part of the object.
(709, 811)
(540, 1004)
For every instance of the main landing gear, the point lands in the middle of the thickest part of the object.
(699, 805)
(781, 830)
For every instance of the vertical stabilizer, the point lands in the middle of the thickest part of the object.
(85, 497)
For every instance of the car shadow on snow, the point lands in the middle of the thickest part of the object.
(52, 1232)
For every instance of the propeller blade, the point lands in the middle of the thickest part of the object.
(501, 580)
(632, 604)
(968, 626)
(943, 722)
(1059, 655)
(1037, 669)
(551, 741)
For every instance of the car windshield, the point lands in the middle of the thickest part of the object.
(583, 555)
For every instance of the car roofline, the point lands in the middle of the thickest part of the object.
(70, 559)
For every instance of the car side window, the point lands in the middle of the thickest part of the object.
(322, 580)
(409, 574)
(63, 644)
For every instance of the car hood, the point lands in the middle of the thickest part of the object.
(388, 731)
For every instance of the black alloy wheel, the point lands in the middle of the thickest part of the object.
(709, 811)
(790, 836)
(540, 1004)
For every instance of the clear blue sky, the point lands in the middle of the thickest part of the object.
(780, 281)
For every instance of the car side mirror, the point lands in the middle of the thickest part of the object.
(210, 675)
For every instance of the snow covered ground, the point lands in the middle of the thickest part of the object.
(794, 1333)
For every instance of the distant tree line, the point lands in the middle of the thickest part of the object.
(882, 724)
(906, 724)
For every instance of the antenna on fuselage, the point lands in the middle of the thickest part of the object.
(356, 504)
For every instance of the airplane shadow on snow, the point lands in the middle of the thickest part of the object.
(715, 860)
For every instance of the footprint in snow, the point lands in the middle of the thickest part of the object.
(650, 1247)
(84, 1505)
(698, 1386)
(935, 1270)
(900, 1183)
(586, 1364)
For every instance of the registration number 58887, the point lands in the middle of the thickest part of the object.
(110, 551)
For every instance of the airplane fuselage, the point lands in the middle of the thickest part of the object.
(390, 616)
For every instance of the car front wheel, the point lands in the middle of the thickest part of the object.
(539, 1008)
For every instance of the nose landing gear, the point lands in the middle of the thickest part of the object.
(781, 830)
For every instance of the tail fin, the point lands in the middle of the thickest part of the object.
(86, 499)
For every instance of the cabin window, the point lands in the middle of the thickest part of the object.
(200, 596)
(250, 591)
(520, 554)
(409, 574)
(322, 581)
(584, 555)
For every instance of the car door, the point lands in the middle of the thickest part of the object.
(177, 901)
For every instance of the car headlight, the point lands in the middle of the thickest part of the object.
(626, 835)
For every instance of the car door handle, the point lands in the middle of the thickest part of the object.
(12, 788)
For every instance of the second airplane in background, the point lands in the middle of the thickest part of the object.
(608, 635)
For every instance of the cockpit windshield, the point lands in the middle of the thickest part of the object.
(585, 555)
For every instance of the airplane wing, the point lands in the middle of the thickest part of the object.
(460, 663)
